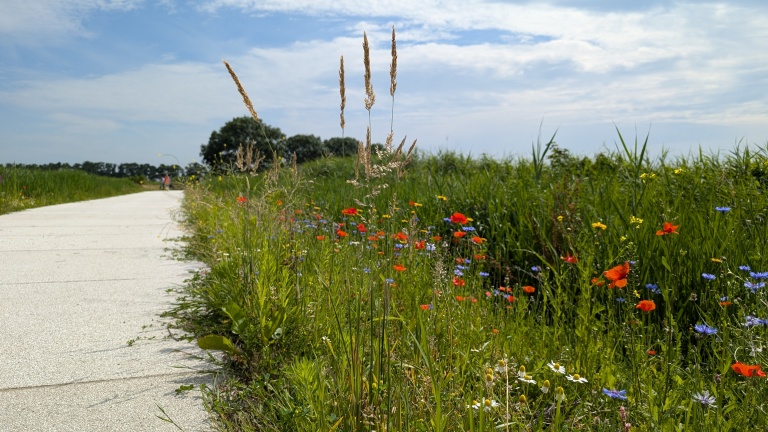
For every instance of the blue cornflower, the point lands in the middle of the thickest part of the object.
(723, 209)
(620, 299)
(400, 245)
(535, 269)
(615, 394)
(705, 329)
(468, 228)
(484, 274)
(458, 272)
(447, 220)
(460, 267)
(430, 247)
(752, 321)
(654, 288)
(389, 280)
(366, 270)
(632, 263)
(754, 286)
(758, 275)
(744, 268)
(708, 276)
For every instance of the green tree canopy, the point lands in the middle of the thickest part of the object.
(241, 131)
(341, 146)
(306, 148)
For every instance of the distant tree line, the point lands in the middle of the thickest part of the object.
(134, 171)
(269, 142)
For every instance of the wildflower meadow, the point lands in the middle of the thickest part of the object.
(405, 292)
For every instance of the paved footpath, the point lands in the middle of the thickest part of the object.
(82, 347)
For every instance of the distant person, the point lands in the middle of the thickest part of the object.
(166, 182)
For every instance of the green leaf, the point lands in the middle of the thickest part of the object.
(665, 263)
(217, 343)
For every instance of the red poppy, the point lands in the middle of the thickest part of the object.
(646, 305)
(420, 244)
(320, 237)
(437, 238)
(459, 218)
(459, 281)
(510, 298)
(425, 306)
(460, 261)
(341, 233)
(597, 281)
(725, 303)
(460, 298)
(349, 211)
(362, 228)
(570, 259)
(651, 352)
(372, 238)
(480, 257)
(478, 240)
(459, 234)
(529, 289)
(400, 236)
(618, 275)
(399, 267)
(241, 199)
(668, 228)
(747, 370)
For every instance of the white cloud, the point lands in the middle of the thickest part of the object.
(44, 21)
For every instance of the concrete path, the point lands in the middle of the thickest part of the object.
(82, 347)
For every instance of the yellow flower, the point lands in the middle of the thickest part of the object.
(599, 225)
(622, 238)
(559, 218)
(386, 216)
(442, 198)
(679, 171)
(716, 260)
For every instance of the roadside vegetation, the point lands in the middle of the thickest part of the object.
(477, 294)
(23, 188)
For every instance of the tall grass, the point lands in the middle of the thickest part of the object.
(23, 188)
(402, 325)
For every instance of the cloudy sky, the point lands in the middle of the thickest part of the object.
(129, 80)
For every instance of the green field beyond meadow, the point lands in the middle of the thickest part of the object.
(611, 293)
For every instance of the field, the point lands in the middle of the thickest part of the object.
(23, 188)
(610, 293)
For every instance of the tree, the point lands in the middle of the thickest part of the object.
(306, 148)
(341, 146)
(241, 131)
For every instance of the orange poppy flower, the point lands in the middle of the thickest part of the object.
(241, 199)
(372, 238)
(420, 244)
(437, 238)
(510, 298)
(478, 240)
(597, 281)
(459, 218)
(480, 257)
(460, 298)
(529, 289)
(747, 370)
(646, 305)
(668, 228)
(459, 281)
(459, 234)
(349, 211)
(320, 237)
(341, 233)
(399, 267)
(618, 275)
(400, 236)
(362, 228)
(570, 259)
(425, 306)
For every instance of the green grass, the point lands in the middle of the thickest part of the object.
(23, 188)
(407, 327)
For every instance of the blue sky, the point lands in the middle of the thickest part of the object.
(127, 80)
